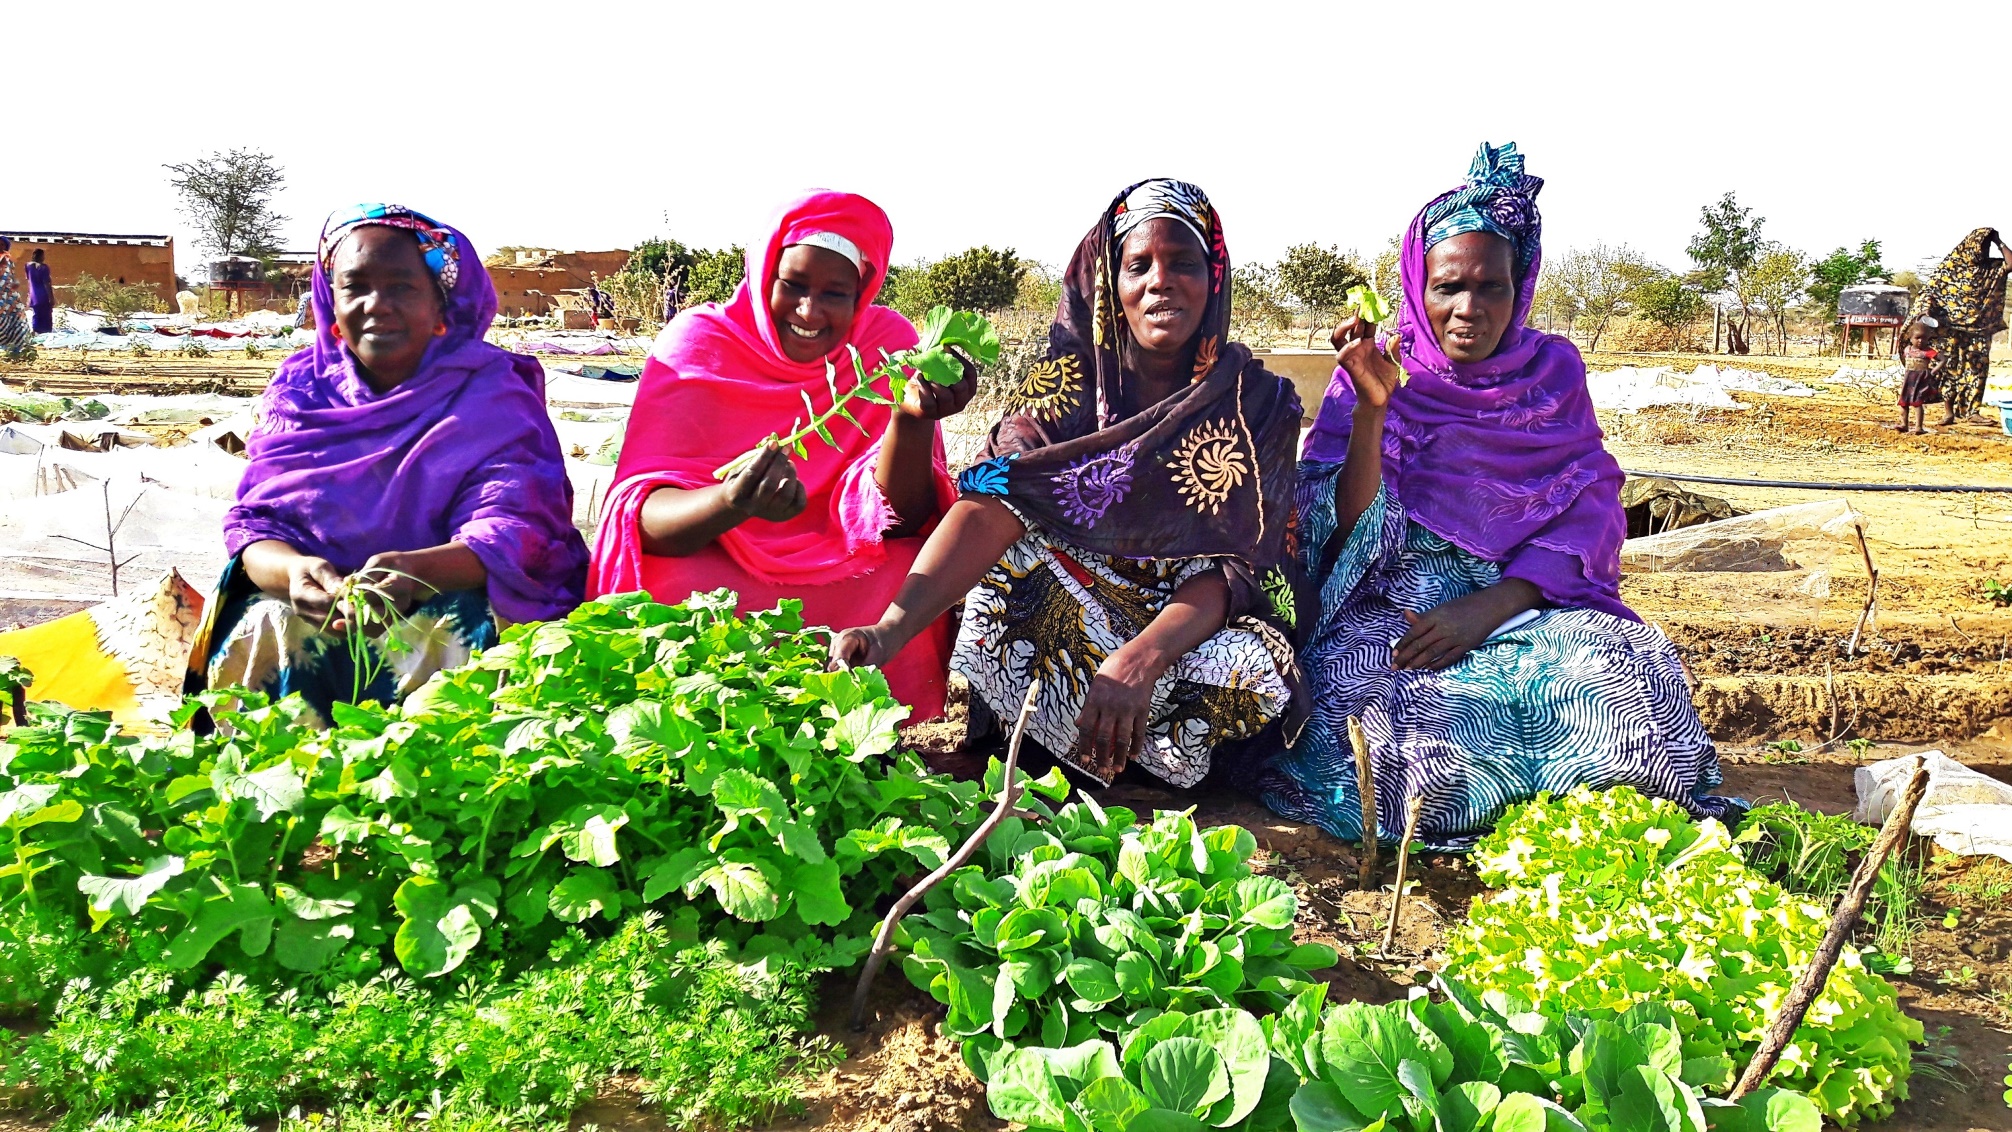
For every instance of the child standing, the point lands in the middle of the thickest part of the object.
(1922, 385)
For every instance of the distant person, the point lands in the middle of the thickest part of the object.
(14, 328)
(41, 295)
(1120, 545)
(602, 303)
(839, 528)
(1966, 298)
(402, 452)
(1462, 522)
(1921, 386)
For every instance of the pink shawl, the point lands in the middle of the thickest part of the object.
(717, 382)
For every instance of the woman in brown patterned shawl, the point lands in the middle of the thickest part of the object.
(1124, 537)
(1966, 297)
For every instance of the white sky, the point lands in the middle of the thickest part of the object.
(586, 125)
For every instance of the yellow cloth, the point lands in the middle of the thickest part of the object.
(126, 656)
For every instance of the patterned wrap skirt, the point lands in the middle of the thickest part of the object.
(1051, 613)
(1570, 697)
(260, 643)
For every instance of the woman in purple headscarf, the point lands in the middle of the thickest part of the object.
(1462, 521)
(405, 482)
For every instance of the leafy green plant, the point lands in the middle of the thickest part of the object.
(253, 350)
(631, 756)
(1463, 1065)
(933, 359)
(2008, 1081)
(1805, 852)
(194, 347)
(1611, 899)
(15, 680)
(1096, 923)
(709, 1041)
(1997, 592)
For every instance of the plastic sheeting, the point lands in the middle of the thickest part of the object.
(1967, 813)
(1772, 566)
(1632, 388)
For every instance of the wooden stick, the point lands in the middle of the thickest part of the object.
(1009, 791)
(1849, 907)
(1871, 592)
(1411, 809)
(1365, 788)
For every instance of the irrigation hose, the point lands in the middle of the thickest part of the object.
(1806, 485)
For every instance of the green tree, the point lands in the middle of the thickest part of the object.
(1776, 283)
(1726, 252)
(1318, 280)
(1670, 303)
(977, 279)
(713, 275)
(1040, 288)
(1600, 282)
(228, 199)
(115, 300)
(1256, 299)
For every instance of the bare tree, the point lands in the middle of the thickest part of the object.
(228, 198)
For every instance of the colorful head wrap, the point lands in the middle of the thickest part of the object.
(1162, 196)
(1498, 197)
(437, 245)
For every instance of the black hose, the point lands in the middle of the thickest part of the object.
(1808, 486)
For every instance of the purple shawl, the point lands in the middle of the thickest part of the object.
(1501, 458)
(463, 451)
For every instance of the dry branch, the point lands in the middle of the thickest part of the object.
(1849, 908)
(1411, 809)
(1009, 791)
(1365, 786)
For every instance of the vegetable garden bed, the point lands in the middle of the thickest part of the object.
(600, 868)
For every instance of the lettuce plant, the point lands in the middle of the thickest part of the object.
(1607, 900)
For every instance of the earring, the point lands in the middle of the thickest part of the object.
(440, 331)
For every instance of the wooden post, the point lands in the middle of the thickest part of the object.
(1411, 809)
(1871, 609)
(1849, 908)
(1365, 786)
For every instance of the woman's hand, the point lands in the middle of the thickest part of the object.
(312, 585)
(1374, 375)
(1112, 728)
(864, 647)
(1441, 636)
(928, 401)
(767, 489)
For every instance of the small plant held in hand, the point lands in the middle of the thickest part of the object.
(934, 359)
(1366, 304)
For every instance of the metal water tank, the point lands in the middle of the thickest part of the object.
(1872, 304)
(236, 269)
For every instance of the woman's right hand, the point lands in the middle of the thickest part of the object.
(863, 647)
(1374, 375)
(768, 488)
(312, 585)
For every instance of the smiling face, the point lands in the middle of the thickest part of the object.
(1163, 285)
(387, 306)
(1470, 294)
(813, 301)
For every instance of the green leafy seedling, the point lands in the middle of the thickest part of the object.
(934, 359)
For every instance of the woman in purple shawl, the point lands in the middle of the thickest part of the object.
(400, 462)
(1462, 521)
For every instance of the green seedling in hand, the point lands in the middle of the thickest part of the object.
(1366, 304)
(934, 359)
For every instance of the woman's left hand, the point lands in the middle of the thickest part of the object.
(929, 401)
(1112, 728)
(1441, 636)
(392, 588)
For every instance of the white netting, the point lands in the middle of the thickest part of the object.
(1771, 567)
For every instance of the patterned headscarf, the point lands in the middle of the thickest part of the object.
(1498, 197)
(437, 245)
(1967, 292)
(1207, 472)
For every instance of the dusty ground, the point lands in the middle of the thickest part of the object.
(1930, 668)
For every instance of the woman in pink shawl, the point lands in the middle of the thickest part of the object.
(837, 529)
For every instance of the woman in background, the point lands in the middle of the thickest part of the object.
(14, 330)
(1966, 298)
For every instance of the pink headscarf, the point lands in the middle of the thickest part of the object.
(717, 382)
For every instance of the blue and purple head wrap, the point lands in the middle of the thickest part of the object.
(437, 243)
(1498, 197)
